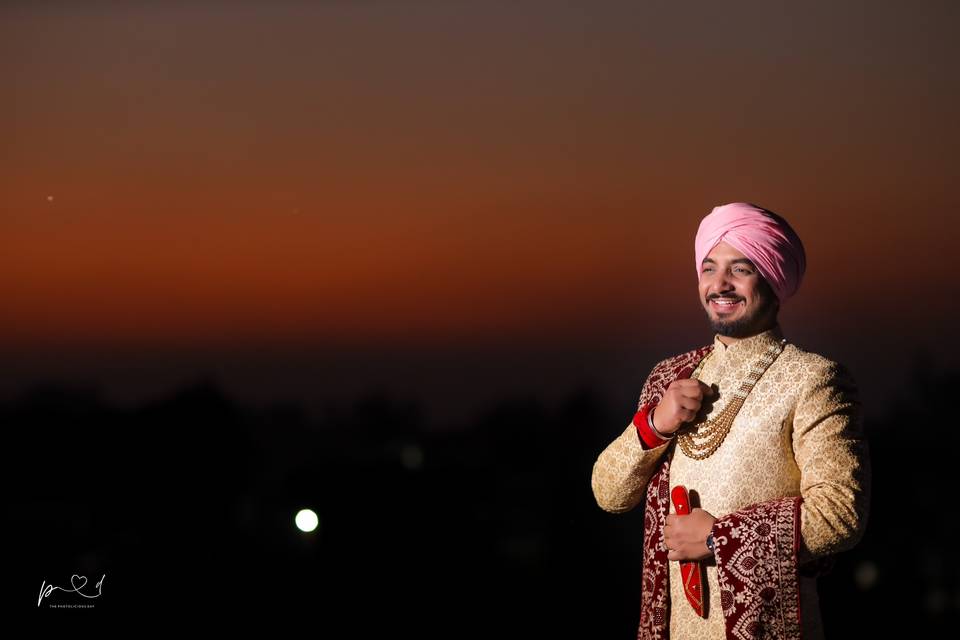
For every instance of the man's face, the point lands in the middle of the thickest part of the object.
(739, 302)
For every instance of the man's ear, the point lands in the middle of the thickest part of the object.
(768, 291)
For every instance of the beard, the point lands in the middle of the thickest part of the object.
(748, 324)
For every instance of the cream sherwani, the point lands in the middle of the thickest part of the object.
(798, 433)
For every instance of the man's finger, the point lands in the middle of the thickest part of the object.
(690, 391)
(697, 389)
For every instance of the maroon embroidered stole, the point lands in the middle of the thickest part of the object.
(756, 547)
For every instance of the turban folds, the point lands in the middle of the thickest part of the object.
(761, 235)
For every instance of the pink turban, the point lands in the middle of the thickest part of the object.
(761, 235)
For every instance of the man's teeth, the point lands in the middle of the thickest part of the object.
(725, 301)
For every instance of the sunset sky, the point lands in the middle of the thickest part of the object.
(458, 199)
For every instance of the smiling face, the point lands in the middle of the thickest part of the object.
(738, 301)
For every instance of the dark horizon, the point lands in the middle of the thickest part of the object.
(494, 523)
(447, 380)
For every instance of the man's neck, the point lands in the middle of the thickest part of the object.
(729, 340)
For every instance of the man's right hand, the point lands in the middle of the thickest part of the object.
(681, 403)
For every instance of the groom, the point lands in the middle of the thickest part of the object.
(766, 435)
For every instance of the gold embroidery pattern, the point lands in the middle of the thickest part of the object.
(798, 433)
(706, 436)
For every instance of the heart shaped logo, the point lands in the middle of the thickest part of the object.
(73, 582)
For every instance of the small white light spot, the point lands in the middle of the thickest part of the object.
(49, 198)
(307, 520)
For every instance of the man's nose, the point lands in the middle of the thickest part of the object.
(720, 281)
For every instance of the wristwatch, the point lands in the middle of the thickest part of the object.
(710, 542)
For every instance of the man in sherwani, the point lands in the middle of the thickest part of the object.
(765, 436)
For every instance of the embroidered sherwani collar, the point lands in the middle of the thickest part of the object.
(747, 349)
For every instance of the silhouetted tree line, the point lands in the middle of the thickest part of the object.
(187, 505)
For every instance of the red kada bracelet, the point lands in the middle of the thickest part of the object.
(647, 432)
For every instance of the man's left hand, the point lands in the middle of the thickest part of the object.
(686, 536)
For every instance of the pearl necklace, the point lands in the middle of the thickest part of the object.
(704, 437)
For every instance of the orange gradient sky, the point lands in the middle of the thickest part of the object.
(273, 177)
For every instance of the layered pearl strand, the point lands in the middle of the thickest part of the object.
(704, 437)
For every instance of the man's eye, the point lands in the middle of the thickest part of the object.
(705, 269)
